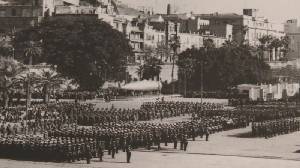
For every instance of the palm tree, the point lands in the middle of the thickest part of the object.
(187, 69)
(140, 71)
(49, 80)
(276, 43)
(208, 43)
(264, 43)
(152, 68)
(285, 41)
(32, 50)
(162, 51)
(175, 45)
(9, 69)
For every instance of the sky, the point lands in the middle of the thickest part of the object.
(274, 10)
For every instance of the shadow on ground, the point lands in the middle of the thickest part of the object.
(297, 151)
(243, 135)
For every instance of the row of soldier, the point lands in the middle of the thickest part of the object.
(86, 114)
(148, 134)
(148, 111)
(29, 127)
(139, 134)
(53, 149)
(273, 128)
(114, 132)
(265, 113)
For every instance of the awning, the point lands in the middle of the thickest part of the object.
(143, 86)
(247, 86)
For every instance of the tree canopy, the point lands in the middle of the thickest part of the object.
(86, 50)
(223, 67)
(9, 69)
(150, 69)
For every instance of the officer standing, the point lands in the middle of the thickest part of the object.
(185, 142)
(113, 149)
(101, 151)
(88, 154)
(128, 153)
(206, 133)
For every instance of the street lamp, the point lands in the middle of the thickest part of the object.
(202, 74)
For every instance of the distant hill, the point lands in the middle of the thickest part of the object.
(124, 9)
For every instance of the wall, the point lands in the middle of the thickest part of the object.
(294, 45)
(189, 40)
(276, 90)
(293, 32)
(228, 19)
(221, 30)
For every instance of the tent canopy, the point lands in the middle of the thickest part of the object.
(246, 87)
(143, 86)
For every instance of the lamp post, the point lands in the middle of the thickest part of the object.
(202, 73)
(185, 83)
(175, 46)
(201, 91)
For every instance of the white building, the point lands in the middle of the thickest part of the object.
(248, 27)
(257, 27)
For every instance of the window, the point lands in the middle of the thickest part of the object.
(13, 12)
(36, 2)
(2, 13)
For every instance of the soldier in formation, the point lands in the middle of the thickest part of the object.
(273, 128)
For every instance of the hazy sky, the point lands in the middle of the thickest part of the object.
(275, 10)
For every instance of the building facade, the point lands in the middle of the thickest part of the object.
(15, 16)
(246, 28)
(293, 32)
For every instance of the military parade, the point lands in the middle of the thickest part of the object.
(149, 84)
(70, 132)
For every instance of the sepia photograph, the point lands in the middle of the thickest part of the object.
(149, 84)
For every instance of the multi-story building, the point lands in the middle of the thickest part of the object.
(247, 28)
(14, 16)
(191, 31)
(221, 30)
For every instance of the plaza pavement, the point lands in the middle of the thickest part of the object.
(136, 102)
